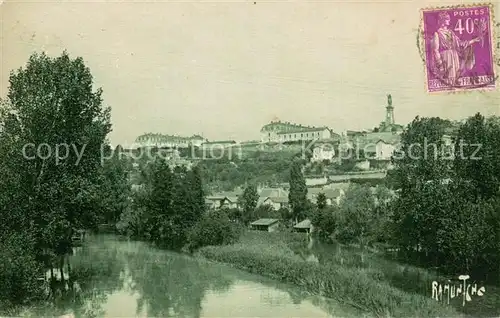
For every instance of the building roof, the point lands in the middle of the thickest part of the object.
(278, 199)
(222, 195)
(164, 137)
(273, 192)
(265, 222)
(231, 199)
(306, 224)
(302, 130)
(219, 142)
(329, 193)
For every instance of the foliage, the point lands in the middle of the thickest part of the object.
(248, 201)
(114, 186)
(214, 228)
(321, 201)
(446, 214)
(297, 197)
(53, 189)
(266, 211)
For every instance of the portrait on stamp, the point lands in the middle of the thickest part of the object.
(458, 48)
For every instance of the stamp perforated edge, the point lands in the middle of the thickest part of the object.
(493, 36)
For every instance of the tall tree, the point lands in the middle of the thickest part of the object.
(321, 201)
(115, 187)
(52, 102)
(421, 168)
(476, 157)
(297, 197)
(248, 202)
(197, 194)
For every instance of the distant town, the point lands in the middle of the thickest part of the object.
(377, 143)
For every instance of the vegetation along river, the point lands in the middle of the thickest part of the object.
(114, 277)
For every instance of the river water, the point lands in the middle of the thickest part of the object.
(115, 277)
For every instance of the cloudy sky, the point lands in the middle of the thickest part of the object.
(225, 68)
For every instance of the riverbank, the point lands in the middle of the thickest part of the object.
(116, 277)
(275, 255)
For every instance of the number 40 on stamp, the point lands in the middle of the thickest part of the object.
(458, 48)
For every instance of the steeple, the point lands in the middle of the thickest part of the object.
(389, 112)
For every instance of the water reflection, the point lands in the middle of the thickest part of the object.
(114, 278)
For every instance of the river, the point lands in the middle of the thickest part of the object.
(115, 277)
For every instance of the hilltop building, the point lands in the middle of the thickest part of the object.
(277, 131)
(168, 141)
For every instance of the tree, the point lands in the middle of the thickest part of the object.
(248, 202)
(115, 187)
(266, 211)
(420, 169)
(297, 197)
(325, 222)
(196, 195)
(214, 228)
(356, 210)
(476, 157)
(51, 102)
(321, 201)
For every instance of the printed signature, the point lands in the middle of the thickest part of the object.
(449, 291)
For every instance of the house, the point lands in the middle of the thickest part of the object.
(223, 200)
(333, 196)
(303, 227)
(278, 131)
(229, 203)
(323, 151)
(275, 197)
(168, 141)
(272, 192)
(268, 225)
(379, 146)
(276, 202)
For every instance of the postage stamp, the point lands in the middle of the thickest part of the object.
(458, 48)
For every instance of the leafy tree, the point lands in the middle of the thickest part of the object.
(248, 202)
(51, 101)
(420, 169)
(356, 210)
(321, 201)
(476, 157)
(326, 223)
(297, 197)
(266, 211)
(197, 194)
(115, 187)
(215, 228)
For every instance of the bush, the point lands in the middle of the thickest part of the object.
(215, 228)
(19, 271)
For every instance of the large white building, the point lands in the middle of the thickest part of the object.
(277, 131)
(168, 141)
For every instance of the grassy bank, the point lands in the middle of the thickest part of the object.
(272, 255)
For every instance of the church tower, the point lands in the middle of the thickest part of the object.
(389, 112)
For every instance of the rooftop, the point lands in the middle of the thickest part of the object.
(219, 142)
(265, 222)
(303, 225)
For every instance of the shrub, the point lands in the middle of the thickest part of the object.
(19, 271)
(215, 228)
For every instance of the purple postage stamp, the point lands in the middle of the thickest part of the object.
(458, 48)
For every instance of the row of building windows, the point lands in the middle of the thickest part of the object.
(301, 135)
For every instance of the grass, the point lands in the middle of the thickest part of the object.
(367, 288)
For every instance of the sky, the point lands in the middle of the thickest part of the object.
(224, 69)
